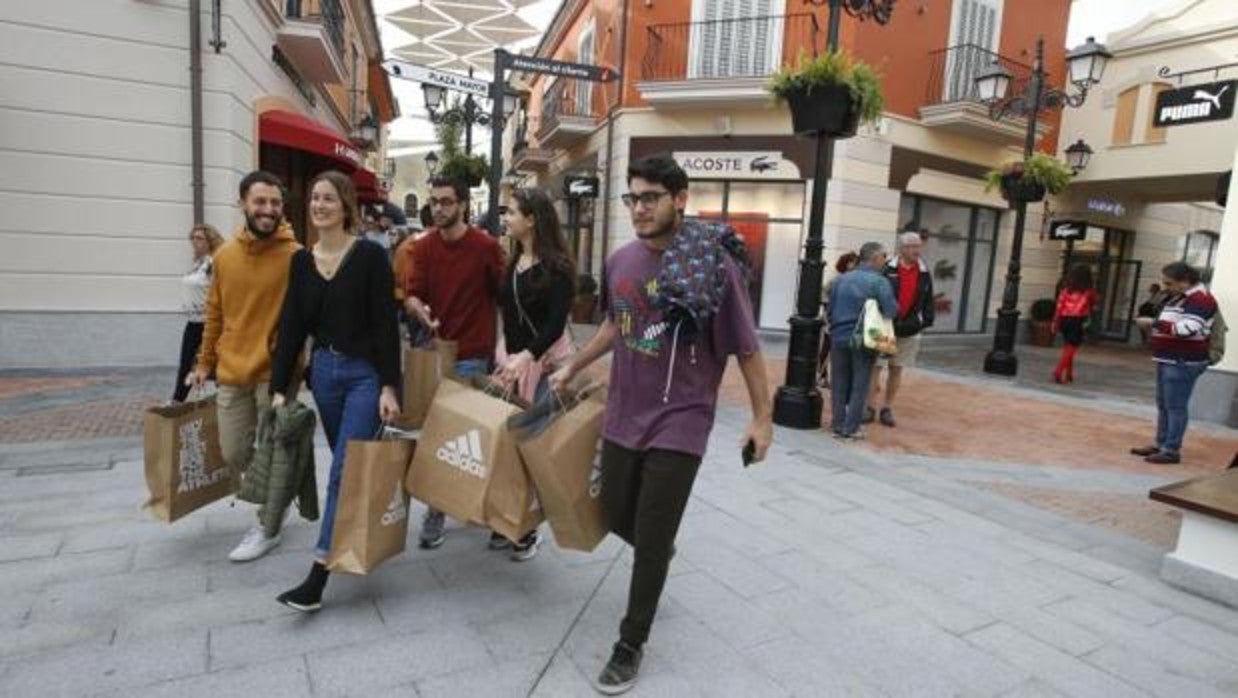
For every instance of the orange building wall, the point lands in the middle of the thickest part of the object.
(902, 50)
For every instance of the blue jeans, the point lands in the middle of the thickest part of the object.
(1174, 383)
(346, 392)
(849, 377)
(468, 368)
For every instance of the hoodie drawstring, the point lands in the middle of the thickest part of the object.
(670, 371)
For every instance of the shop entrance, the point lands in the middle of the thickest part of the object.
(1106, 251)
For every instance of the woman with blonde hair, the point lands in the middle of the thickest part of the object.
(204, 239)
(339, 293)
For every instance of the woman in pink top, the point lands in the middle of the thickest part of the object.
(1074, 306)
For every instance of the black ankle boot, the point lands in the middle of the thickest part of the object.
(308, 596)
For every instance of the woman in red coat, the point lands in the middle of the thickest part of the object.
(1074, 306)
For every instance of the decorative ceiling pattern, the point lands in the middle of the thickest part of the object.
(460, 34)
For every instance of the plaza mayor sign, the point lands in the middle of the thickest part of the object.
(736, 164)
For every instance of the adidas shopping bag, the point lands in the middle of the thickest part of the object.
(425, 366)
(371, 517)
(463, 440)
(562, 454)
(185, 467)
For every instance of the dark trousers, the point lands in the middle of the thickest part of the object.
(191, 339)
(645, 494)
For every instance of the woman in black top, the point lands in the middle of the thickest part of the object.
(339, 293)
(535, 299)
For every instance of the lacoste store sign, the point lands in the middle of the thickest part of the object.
(1213, 101)
(736, 164)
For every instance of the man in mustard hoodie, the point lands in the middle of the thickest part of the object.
(242, 319)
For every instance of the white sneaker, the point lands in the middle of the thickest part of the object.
(254, 545)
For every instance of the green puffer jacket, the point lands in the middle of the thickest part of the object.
(283, 466)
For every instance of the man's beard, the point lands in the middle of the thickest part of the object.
(662, 230)
(251, 223)
(447, 222)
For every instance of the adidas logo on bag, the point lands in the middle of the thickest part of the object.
(464, 453)
(397, 510)
(193, 474)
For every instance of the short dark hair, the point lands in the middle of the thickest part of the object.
(1181, 271)
(660, 169)
(460, 188)
(259, 177)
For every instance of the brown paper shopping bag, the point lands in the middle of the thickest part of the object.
(424, 368)
(465, 434)
(563, 461)
(371, 517)
(185, 468)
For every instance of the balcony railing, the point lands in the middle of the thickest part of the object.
(569, 98)
(329, 12)
(751, 47)
(953, 71)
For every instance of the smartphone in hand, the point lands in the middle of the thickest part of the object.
(749, 452)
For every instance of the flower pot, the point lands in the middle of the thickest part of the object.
(1042, 333)
(1015, 189)
(582, 309)
(829, 110)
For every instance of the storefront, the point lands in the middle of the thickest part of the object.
(297, 149)
(959, 248)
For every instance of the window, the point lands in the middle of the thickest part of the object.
(1199, 250)
(1151, 133)
(735, 38)
(974, 31)
(1124, 116)
(584, 54)
(959, 245)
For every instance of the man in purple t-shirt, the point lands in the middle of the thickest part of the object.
(663, 396)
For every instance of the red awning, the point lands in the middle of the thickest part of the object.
(368, 191)
(300, 133)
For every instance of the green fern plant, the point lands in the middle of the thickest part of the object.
(832, 68)
(457, 164)
(1045, 170)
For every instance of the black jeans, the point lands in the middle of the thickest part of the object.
(645, 494)
(191, 340)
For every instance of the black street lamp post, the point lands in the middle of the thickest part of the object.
(1086, 66)
(798, 402)
(467, 114)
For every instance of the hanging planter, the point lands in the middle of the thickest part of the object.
(1029, 180)
(829, 95)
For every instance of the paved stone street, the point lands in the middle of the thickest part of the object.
(831, 570)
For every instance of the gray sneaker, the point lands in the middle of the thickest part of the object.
(432, 525)
(621, 671)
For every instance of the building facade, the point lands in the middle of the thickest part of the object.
(99, 179)
(693, 78)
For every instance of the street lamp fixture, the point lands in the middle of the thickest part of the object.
(434, 95)
(1078, 155)
(511, 100)
(992, 83)
(1086, 65)
(365, 134)
(432, 163)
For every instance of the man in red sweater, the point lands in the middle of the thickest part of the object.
(454, 290)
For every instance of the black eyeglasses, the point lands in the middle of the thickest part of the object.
(441, 203)
(647, 199)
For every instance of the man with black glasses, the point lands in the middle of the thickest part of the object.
(664, 380)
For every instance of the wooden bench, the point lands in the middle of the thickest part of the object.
(1206, 559)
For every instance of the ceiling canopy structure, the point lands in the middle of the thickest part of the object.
(460, 34)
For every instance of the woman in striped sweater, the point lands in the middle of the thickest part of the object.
(1179, 340)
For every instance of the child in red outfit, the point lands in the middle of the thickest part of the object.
(1074, 306)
